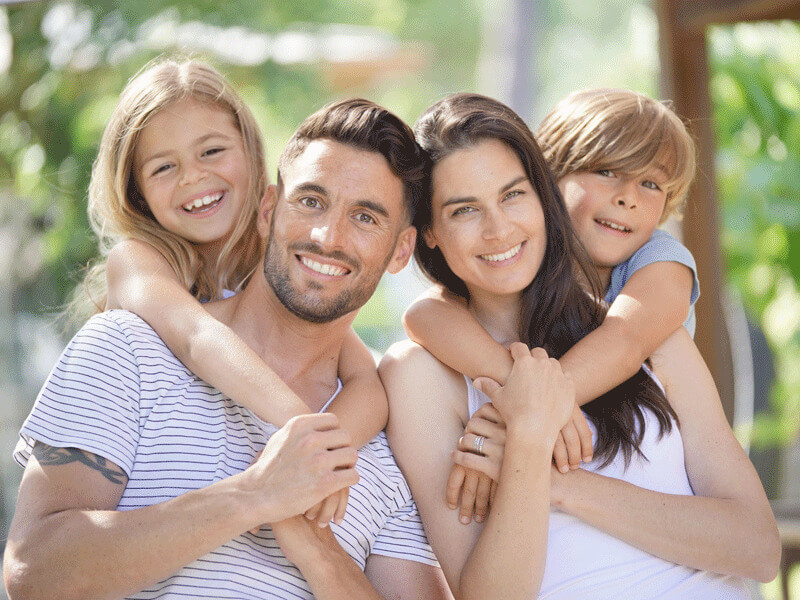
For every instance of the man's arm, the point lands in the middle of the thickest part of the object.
(333, 575)
(68, 541)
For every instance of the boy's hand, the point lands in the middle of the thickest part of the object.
(574, 442)
(473, 477)
(331, 509)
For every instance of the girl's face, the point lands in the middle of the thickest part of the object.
(613, 214)
(487, 219)
(191, 168)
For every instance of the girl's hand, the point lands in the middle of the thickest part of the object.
(574, 442)
(474, 476)
(331, 509)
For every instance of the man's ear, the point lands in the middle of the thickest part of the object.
(403, 249)
(266, 208)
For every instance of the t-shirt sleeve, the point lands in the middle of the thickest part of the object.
(661, 247)
(90, 400)
(403, 537)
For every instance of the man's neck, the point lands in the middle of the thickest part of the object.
(305, 355)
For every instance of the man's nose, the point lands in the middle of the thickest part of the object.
(330, 234)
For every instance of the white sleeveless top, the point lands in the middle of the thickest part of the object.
(584, 562)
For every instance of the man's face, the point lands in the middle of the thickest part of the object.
(337, 226)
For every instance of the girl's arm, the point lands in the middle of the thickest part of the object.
(140, 280)
(361, 406)
(652, 305)
(727, 527)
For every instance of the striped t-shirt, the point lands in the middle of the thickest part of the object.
(118, 392)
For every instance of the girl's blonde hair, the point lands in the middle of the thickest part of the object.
(117, 209)
(621, 131)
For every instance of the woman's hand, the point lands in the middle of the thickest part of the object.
(473, 478)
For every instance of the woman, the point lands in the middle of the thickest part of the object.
(497, 234)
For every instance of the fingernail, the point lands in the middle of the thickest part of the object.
(478, 519)
(587, 458)
(464, 519)
(451, 506)
(564, 469)
(322, 524)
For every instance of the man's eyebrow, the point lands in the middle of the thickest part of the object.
(310, 187)
(374, 207)
(466, 199)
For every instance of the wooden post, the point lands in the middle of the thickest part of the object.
(685, 78)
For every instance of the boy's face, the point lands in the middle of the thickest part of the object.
(613, 214)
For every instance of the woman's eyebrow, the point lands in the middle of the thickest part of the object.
(467, 199)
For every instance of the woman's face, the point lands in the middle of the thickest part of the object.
(487, 219)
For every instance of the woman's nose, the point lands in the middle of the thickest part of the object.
(495, 225)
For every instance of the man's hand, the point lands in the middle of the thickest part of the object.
(305, 461)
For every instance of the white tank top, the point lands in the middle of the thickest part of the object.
(584, 562)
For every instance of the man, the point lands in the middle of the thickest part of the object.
(137, 473)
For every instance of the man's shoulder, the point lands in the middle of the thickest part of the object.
(126, 329)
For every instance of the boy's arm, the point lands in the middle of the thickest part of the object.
(651, 306)
(440, 322)
(140, 280)
(361, 406)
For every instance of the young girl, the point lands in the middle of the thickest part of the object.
(623, 163)
(173, 199)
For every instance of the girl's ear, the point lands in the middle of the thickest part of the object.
(265, 209)
(429, 237)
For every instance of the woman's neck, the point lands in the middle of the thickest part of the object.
(498, 315)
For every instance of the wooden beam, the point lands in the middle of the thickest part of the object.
(684, 79)
(696, 15)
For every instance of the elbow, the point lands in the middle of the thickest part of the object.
(28, 578)
(767, 564)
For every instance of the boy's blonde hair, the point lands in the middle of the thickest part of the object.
(622, 131)
(118, 211)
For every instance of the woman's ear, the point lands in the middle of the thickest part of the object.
(429, 237)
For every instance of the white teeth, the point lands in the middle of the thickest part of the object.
(200, 202)
(322, 268)
(504, 256)
(613, 225)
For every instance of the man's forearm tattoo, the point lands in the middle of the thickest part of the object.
(51, 456)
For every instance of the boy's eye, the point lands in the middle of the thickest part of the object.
(605, 172)
(652, 185)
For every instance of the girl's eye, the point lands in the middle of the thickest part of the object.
(652, 185)
(161, 169)
(212, 151)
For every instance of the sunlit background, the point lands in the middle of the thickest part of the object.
(62, 66)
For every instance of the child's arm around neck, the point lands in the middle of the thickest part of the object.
(140, 280)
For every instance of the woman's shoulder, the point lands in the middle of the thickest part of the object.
(409, 367)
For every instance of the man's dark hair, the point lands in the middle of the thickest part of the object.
(366, 126)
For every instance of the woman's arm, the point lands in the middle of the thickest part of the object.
(727, 526)
(426, 419)
(361, 406)
(652, 305)
(140, 280)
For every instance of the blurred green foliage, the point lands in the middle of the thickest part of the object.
(755, 90)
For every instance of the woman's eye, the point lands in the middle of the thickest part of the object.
(462, 210)
(512, 194)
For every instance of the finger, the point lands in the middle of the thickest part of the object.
(475, 462)
(339, 458)
(490, 413)
(454, 482)
(560, 454)
(341, 509)
(487, 429)
(487, 385)
(519, 350)
(315, 421)
(328, 509)
(573, 444)
(493, 492)
(468, 492)
(482, 498)
(585, 435)
(311, 513)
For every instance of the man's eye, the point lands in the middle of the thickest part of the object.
(365, 218)
(309, 202)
